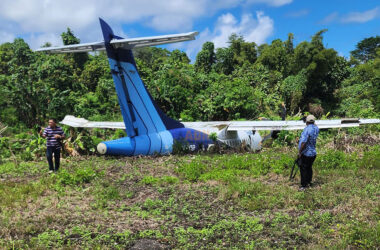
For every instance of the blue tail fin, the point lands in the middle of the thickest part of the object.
(140, 113)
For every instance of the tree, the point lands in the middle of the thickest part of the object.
(317, 40)
(275, 57)
(289, 44)
(301, 58)
(244, 52)
(366, 49)
(205, 58)
(174, 87)
(319, 64)
(6, 54)
(97, 67)
(293, 89)
(359, 95)
(8, 113)
(68, 38)
(24, 94)
(152, 57)
(224, 61)
(177, 56)
(228, 99)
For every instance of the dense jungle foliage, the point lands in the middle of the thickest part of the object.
(241, 81)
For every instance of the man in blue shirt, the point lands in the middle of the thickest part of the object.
(53, 135)
(307, 151)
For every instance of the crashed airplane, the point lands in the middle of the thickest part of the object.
(148, 128)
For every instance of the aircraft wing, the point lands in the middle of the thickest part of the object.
(127, 43)
(277, 125)
(75, 122)
(231, 125)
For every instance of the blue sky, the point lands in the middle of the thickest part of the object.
(261, 21)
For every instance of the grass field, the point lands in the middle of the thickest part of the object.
(232, 201)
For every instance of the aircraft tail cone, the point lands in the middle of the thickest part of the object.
(102, 148)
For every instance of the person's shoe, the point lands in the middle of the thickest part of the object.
(50, 171)
(302, 188)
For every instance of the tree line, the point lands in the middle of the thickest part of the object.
(240, 81)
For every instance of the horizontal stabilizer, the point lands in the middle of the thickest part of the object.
(130, 43)
(127, 43)
(75, 48)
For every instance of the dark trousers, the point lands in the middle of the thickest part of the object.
(57, 154)
(306, 170)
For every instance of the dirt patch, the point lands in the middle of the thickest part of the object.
(144, 244)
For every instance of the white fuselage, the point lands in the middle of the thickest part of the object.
(249, 138)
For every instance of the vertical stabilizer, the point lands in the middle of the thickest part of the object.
(140, 112)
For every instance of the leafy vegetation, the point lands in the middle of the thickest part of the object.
(241, 81)
(202, 200)
(194, 201)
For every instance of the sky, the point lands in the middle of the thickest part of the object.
(260, 21)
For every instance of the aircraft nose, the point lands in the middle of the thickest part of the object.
(102, 148)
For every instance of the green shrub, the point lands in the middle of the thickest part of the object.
(151, 180)
(332, 159)
(50, 239)
(371, 158)
(193, 170)
(361, 234)
(79, 176)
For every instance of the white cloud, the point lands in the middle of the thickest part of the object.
(352, 17)
(170, 22)
(361, 17)
(330, 18)
(53, 15)
(6, 37)
(37, 40)
(26, 17)
(252, 29)
(298, 13)
(275, 3)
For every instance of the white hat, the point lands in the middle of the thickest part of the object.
(310, 118)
